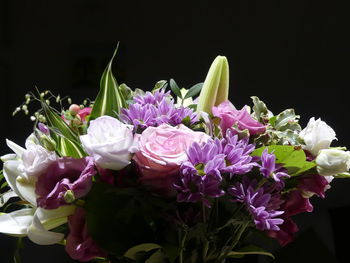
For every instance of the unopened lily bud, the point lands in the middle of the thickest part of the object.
(216, 85)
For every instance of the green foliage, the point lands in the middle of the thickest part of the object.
(66, 139)
(260, 109)
(175, 88)
(286, 120)
(160, 85)
(109, 100)
(249, 250)
(193, 91)
(293, 158)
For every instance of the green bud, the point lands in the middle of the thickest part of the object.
(47, 142)
(216, 85)
(69, 196)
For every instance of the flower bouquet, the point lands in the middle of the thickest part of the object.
(168, 175)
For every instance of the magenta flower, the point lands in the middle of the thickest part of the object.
(62, 175)
(286, 233)
(313, 184)
(80, 245)
(230, 116)
(295, 203)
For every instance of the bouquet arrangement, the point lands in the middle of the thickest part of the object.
(138, 176)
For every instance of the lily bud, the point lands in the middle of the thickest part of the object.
(216, 85)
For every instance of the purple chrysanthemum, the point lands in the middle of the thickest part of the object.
(155, 109)
(237, 154)
(201, 175)
(269, 168)
(261, 204)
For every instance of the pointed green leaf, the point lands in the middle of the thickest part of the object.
(125, 91)
(131, 253)
(175, 88)
(56, 122)
(66, 147)
(162, 84)
(343, 175)
(249, 250)
(109, 99)
(194, 90)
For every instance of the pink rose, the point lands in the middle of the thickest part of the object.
(230, 116)
(161, 151)
(80, 245)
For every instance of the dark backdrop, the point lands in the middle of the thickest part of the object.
(289, 53)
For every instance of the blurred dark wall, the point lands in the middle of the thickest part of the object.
(289, 53)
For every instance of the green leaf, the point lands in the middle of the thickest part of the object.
(67, 141)
(157, 257)
(66, 147)
(131, 252)
(175, 88)
(293, 158)
(287, 120)
(194, 90)
(109, 99)
(342, 175)
(259, 108)
(125, 91)
(57, 123)
(249, 250)
(162, 84)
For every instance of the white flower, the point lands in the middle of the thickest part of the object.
(20, 175)
(332, 162)
(317, 136)
(109, 142)
(35, 159)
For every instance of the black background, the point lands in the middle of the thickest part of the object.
(291, 54)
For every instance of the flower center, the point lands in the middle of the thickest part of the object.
(200, 168)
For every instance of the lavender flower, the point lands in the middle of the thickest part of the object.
(156, 109)
(261, 204)
(269, 168)
(201, 175)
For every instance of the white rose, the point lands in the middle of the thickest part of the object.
(317, 136)
(109, 142)
(332, 162)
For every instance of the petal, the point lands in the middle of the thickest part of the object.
(55, 217)
(11, 172)
(16, 148)
(27, 190)
(39, 235)
(17, 222)
(6, 196)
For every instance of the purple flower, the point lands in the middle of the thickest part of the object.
(62, 175)
(201, 175)
(269, 168)
(156, 109)
(237, 154)
(80, 245)
(152, 98)
(261, 204)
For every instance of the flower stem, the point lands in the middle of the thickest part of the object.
(182, 246)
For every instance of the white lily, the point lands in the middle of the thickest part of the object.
(34, 222)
